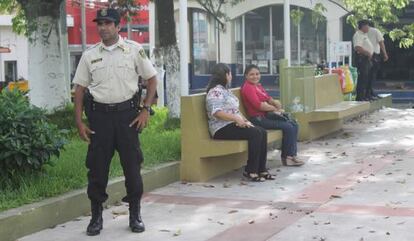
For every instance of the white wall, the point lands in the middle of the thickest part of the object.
(18, 45)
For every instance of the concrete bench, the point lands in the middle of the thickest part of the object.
(202, 157)
(330, 109)
(324, 108)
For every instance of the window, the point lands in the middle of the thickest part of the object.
(238, 46)
(308, 42)
(257, 37)
(10, 71)
(204, 42)
(278, 46)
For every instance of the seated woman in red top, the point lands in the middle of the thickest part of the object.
(268, 113)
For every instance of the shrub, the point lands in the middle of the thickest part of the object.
(27, 140)
(64, 119)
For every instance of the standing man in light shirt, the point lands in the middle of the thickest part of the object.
(106, 85)
(364, 52)
(377, 40)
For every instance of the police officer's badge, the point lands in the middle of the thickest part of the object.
(104, 12)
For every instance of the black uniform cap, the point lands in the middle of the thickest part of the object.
(107, 14)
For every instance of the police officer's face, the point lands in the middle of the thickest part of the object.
(108, 31)
(365, 28)
(253, 76)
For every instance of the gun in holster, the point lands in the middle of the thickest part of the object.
(87, 102)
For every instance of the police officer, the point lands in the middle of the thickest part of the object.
(108, 73)
(364, 51)
(377, 40)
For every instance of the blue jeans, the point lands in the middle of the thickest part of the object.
(289, 128)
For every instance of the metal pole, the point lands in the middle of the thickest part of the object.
(83, 25)
(184, 48)
(286, 26)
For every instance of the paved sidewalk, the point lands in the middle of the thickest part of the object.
(357, 185)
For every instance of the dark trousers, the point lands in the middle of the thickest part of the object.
(257, 144)
(364, 67)
(289, 128)
(112, 132)
(376, 64)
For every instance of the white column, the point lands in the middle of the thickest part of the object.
(286, 29)
(184, 48)
(151, 25)
(83, 25)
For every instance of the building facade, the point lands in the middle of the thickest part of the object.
(14, 61)
(256, 33)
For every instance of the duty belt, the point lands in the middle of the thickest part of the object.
(126, 105)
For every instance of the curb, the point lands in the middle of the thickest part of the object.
(28, 219)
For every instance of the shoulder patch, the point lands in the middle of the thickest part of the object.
(142, 53)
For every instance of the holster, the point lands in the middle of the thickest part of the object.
(87, 102)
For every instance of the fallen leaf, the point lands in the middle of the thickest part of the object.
(226, 185)
(165, 230)
(251, 221)
(177, 233)
(243, 183)
(208, 186)
(401, 223)
(387, 233)
(315, 223)
(401, 181)
(327, 222)
(232, 211)
(221, 223)
(335, 196)
(372, 231)
(119, 212)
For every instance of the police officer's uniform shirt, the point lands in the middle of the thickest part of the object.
(361, 39)
(375, 36)
(111, 72)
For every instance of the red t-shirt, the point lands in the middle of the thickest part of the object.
(252, 96)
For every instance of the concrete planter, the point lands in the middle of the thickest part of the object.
(18, 222)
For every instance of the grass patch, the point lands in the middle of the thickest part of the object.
(69, 172)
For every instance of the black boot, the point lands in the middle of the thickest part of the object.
(95, 225)
(135, 221)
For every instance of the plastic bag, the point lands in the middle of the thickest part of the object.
(349, 83)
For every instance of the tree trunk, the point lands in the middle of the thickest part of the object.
(49, 81)
(170, 52)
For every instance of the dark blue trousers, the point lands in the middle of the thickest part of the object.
(112, 133)
(289, 128)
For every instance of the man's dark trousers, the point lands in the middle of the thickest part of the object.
(376, 64)
(112, 132)
(364, 67)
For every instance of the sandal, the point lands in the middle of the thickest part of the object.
(253, 177)
(266, 175)
(292, 162)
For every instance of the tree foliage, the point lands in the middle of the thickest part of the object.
(26, 14)
(383, 13)
(215, 9)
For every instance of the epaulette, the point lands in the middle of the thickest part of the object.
(93, 46)
(132, 43)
